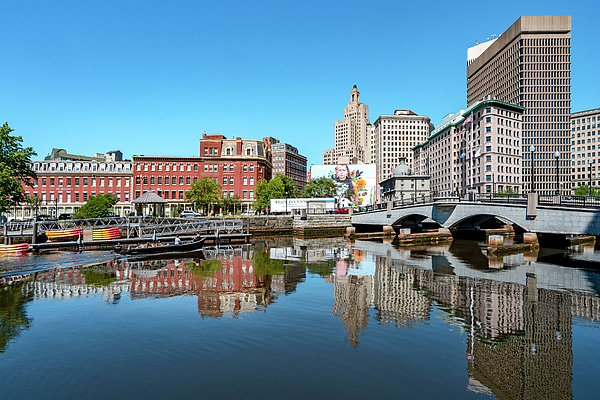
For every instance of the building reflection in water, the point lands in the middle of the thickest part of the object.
(519, 334)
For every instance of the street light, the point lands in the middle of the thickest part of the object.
(590, 161)
(286, 197)
(532, 149)
(557, 156)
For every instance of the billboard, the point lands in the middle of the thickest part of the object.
(356, 184)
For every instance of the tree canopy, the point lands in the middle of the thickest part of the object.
(584, 190)
(276, 188)
(96, 206)
(204, 193)
(15, 169)
(319, 187)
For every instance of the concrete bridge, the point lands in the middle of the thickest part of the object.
(530, 214)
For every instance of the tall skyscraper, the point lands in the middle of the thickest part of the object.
(530, 65)
(351, 140)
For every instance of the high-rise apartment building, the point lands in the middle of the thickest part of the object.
(530, 65)
(352, 135)
(585, 148)
(393, 137)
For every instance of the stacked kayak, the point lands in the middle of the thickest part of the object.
(67, 234)
(14, 248)
(106, 234)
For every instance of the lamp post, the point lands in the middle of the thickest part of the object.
(557, 156)
(590, 161)
(532, 149)
(286, 197)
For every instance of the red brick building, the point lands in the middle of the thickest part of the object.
(235, 164)
(66, 181)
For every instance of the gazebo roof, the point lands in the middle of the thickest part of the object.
(149, 198)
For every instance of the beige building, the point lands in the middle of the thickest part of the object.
(483, 155)
(393, 137)
(403, 185)
(352, 134)
(530, 65)
(585, 158)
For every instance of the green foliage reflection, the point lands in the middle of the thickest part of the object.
(13, 318)
(204, 267)
(97, 278)
(264, 265)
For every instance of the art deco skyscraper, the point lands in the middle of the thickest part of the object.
(352, 134)
(530, 65)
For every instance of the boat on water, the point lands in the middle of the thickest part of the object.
(151, 249)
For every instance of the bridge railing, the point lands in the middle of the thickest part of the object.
(570, 201)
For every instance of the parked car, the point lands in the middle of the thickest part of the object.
(45, 217)
(248, 212)
(342, 210)
(64, 216)
(111, 215)
(189, 214)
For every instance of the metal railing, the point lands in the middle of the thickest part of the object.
(140, 225)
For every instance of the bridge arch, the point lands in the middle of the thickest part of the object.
(456, 223)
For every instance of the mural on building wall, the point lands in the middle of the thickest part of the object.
(356, 184)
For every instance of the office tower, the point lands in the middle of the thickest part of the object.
(287, 161)
(530, 65)
(352, 134)
(475, 149)
(393, 137)
(585, 137)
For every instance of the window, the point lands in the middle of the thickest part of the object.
(43, 181)
(205, 151)
(76, 197)
(488, 138)
(488, 148)
(225, 168)
(94, 182)
(488, 129)
(251, 182)
(224, 181)
(158, 180)
(166, 194)
(188, 180)
(85, 181)
(231, 180)
(245, 181)
(205, 167)
(488, 167)
(76, 181)
(51, 181)
(152, 181)
(215, 167)
(488, 119)
(181, 195)
(245, 168)
(252, 168)
(181, 180)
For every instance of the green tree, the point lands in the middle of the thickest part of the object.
(33, 202)
(15, 169)
(319, 187)
(276, 188)
(584, 190)
(96, 206)
(230, 204)
(205, 193)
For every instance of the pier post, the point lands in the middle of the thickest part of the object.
(34, 232)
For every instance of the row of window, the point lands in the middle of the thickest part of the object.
(189, 167)
(76, 197)
(85, 181)
(94, 167)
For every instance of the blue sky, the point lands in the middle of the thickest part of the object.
(149, 77)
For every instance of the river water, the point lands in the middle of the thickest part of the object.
(298, 319)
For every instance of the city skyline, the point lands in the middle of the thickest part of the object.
(153, 81)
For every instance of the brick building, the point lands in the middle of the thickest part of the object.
(235, 164)
(66, 181)
(287, 161)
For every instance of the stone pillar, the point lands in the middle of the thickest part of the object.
(530, 237)
(389, 208)
(350, 231)
(495, 240)
(303, 214)
(388, 230)
(532, 202)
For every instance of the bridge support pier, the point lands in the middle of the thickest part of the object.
(530, 237)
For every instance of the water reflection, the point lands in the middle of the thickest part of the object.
(516, 312)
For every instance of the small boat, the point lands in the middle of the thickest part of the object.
(151, 249)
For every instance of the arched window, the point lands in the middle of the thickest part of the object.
(248, 151)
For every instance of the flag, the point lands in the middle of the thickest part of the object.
(469, 119)
(462, 155)
(478, 153)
